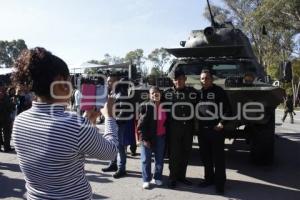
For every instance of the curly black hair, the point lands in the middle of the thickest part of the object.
(37, 68)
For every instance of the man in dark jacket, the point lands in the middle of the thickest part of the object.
(180, 126)
(6, 109)
(289, 108)
(123, 116)
(213, 105)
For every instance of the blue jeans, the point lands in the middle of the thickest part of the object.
(146, 154)
(120, 160)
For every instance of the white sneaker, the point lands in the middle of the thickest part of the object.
(157, 182)
(146, 185)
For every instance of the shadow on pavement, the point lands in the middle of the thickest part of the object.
(134, 174)
(10, 167)
(98, 178)
(284, 172)
(11, 188)
(243, 190)
(89, 160)
(96, 197)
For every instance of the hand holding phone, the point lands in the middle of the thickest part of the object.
(107, 110)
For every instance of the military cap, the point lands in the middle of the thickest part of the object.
(176, 73)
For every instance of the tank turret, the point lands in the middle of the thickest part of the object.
(224, 36)
(217, 40)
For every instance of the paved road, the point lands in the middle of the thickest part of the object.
(245, 180)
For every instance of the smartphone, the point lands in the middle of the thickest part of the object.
(101, 96)
(88, 98)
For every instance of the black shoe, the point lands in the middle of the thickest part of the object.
(172, 184)
(185, 181)
(204, 184)
(119, 174)
(110, 168)
(220, 189)
(9, 150)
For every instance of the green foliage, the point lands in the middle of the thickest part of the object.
(296, 70)
(280, 19)
(10, 50)
(90, 70)
(103, 62)
(135, 57)
(93, 70)
(220, 15)
(160, 57)
(155, 71)
(274, 71)
(95, 62)
(111, 60)
(280, 14)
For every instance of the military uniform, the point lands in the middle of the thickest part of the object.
(180, 130)
(6, 109)
(211, 141)
(288, 109)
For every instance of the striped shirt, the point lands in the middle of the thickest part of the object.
(51, 145)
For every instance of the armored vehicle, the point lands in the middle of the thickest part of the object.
(227, 52)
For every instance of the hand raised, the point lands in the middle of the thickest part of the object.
(107, 110)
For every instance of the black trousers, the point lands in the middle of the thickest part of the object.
(133, 148)
(180, 146)
(5, 134)
(291, 116)
(213, 155)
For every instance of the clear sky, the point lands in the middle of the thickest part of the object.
(81, 30)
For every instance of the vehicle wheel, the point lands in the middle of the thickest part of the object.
(262, 142)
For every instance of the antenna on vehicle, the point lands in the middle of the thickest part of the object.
(213, 23)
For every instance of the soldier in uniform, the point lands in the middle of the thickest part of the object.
(6, 109)
(213, 105)
(289, 108)
(180, 126)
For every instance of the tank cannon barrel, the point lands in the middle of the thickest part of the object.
(209, 31)
(210, 34)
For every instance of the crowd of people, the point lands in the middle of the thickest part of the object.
(51, 144)
(160, 132)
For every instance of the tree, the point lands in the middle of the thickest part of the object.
(220, 15)
(249, 16)
(155, 71)
(117, 60)
(10, 50)
(94, 69)
(91, 70)
(137, 57)
(154, 74)
(281, 14)
(160, 57)
(296, 79)
(94, 62)
(111, 60)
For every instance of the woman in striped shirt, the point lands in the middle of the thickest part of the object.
(50, 143)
